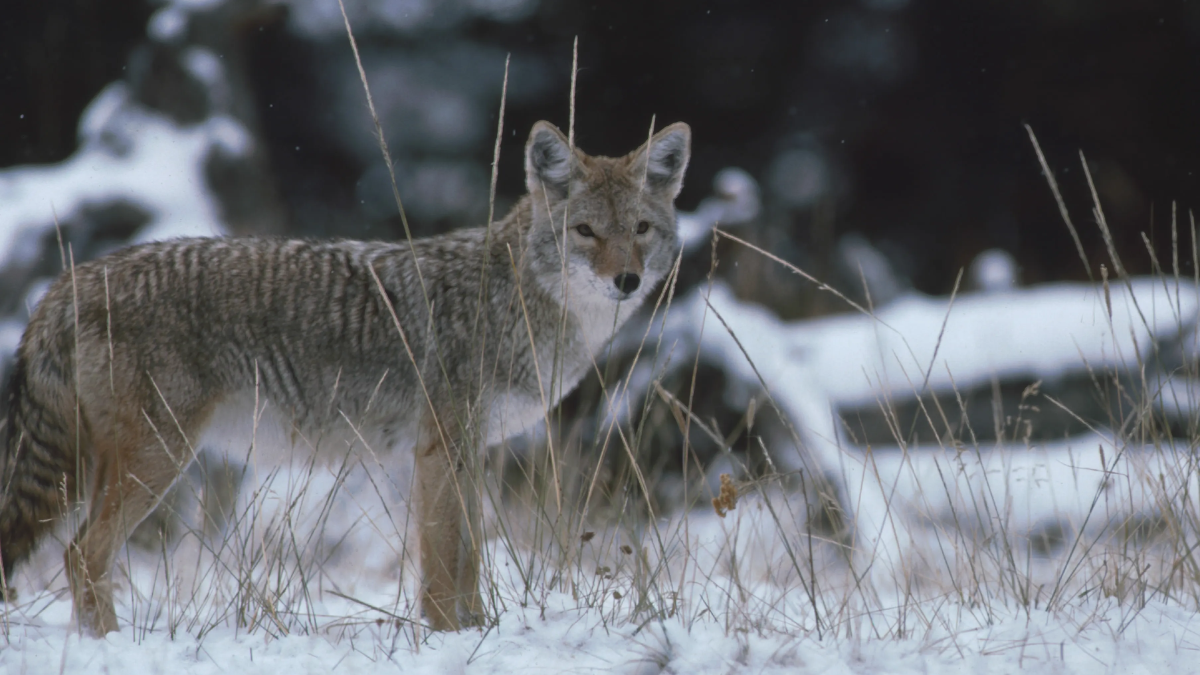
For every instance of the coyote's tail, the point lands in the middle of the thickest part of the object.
(37, 463)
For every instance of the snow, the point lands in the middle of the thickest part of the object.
(1043, 333)
(918, 343)
(206, 67)
(735, 202)
(1029, 489)
(127, 153)
(551, 632)
(168, 24)
(562, 644)
(994, 270)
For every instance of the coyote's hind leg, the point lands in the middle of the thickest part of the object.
(126, 487)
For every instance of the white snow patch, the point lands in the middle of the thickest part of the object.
(128, 153)
(168, 24)
(735, 202)
(854, 359)
(994, 270)
(206, 67)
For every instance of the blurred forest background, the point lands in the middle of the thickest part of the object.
(900, 121)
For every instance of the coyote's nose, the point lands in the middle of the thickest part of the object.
(627, 282)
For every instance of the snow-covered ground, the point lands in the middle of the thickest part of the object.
(1099, 638)
(725, 602)
(1158, 639)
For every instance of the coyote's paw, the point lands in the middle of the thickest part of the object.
(468, 619)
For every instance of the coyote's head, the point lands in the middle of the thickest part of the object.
(604, 226)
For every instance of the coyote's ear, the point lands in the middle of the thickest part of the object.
(667, 158)
(547, 161)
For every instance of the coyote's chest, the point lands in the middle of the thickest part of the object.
(597, 320)
(514, 412)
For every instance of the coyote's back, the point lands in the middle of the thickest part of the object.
(445, 344)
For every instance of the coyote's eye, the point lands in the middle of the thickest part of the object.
(643, 227)
(585, 230)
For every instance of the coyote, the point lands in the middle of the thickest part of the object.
(132, 362)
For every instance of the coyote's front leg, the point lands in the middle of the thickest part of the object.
(470, 542)
(449, 557)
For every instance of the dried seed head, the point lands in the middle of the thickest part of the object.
(726, 501)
